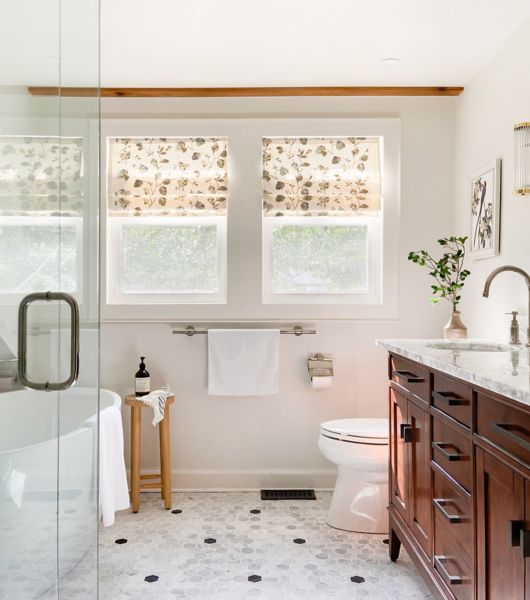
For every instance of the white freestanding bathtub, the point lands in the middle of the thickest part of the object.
(48, 486)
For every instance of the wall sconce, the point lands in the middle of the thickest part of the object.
(522, 158)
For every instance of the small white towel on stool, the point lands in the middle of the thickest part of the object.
(113, 489)
(157, 401)
(243, 362)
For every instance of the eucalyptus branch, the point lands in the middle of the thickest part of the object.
(448, 271)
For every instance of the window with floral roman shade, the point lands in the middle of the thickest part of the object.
(325, 196)
(321, 176)
(41, 176)
(167, 197)
(167, 176)
(41, 213)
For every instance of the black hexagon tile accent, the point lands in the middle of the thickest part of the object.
(299, 541)
(120, 541)
(151, 578)
(255, 511)
(210, 541)
(254, 578)
(177, 511)
(386, 541)
(357, 579)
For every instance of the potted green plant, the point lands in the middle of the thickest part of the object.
(449, 275)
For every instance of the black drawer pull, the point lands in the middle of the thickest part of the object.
(405, 432)
(440, 503)
(518, 536)
(450, 398)
(506, 430)
(439, 563)
(407, 376)
(450, 456)
(514, 532)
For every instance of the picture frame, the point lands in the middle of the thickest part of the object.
(485, 211)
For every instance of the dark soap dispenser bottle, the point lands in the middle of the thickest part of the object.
(143, 380)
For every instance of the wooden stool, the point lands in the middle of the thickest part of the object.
(164, 477)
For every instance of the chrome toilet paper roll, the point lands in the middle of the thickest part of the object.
(321, 383)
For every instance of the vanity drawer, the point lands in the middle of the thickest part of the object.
(411, 376)
(452, 513)
(504, 425)
(453, 398)
(451, 450)
(454, 567)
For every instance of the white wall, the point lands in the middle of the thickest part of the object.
(239, 442)
(497, 99)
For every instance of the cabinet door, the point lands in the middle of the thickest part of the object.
(419, 473)
(398, 454)
(500, 505)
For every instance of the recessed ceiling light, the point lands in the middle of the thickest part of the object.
(390, 62)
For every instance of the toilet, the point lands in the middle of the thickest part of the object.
(359, 448)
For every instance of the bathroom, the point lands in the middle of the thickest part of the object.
(440, 94)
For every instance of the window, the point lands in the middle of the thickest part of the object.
(321, 220)
(166, 226)
(41, 214)
(36, 250)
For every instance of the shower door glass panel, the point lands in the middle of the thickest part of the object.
(49, 203)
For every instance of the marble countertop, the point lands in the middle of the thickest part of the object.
(493, 365)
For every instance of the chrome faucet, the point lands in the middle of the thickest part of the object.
(523, 274)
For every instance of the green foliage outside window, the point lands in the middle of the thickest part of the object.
(320, 259)
(37, 258)
(170, 259)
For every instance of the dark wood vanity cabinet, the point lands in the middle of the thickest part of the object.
(500, 506)
(410, 472)
(459, 484)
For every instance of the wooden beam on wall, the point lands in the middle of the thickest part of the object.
(244, 92)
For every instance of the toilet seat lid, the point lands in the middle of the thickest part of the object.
(358, 428)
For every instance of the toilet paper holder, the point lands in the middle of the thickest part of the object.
(319, 366)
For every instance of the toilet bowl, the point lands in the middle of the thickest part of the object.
(359, 448)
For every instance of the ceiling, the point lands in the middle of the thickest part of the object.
(172, 43)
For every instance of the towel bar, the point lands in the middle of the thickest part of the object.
(190, 331)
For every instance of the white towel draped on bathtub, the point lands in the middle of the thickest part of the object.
(113, 490)
(157, 401)
(243, 362)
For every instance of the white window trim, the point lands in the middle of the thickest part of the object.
(115, 263)
(373, 296)
(59, 221)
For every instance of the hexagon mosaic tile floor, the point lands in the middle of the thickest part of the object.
(234, 546)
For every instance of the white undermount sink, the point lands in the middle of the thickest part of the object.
(467, 346)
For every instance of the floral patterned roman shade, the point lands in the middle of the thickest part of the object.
(167, 176)
(321, 176)
(41, 176)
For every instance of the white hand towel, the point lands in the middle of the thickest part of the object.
(243, 362)
(113, 490)
(157, 401)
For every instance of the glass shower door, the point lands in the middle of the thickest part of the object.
(49, 299)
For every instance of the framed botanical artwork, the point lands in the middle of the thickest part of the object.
(485, 211)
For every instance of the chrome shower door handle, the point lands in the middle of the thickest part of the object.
(48, 386)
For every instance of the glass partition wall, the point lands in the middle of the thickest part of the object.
(49, 299)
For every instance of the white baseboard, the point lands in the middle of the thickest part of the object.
(183, 480)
